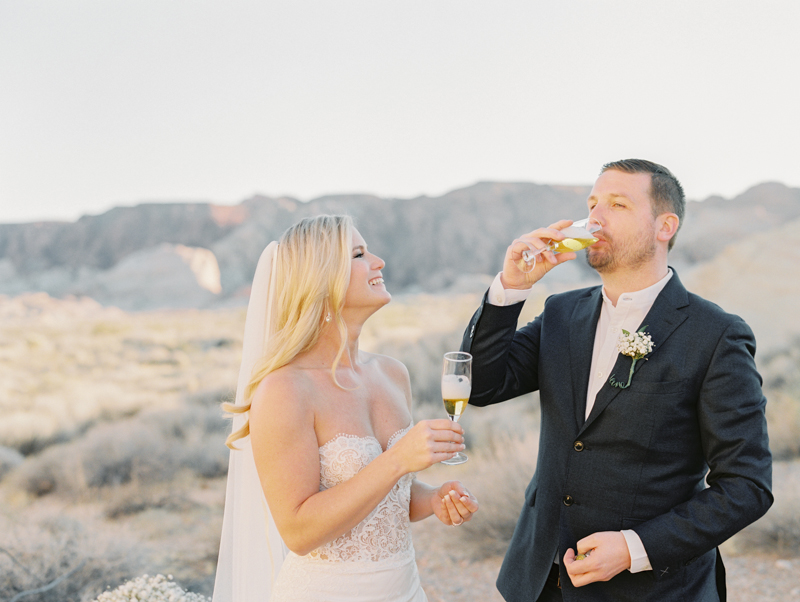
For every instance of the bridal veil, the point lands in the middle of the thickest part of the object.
(251, 549)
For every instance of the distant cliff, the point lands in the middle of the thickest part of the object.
(200, 254)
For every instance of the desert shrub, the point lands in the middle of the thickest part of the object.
(500, 470)
(9, 460)
(152, 589)
(135, 498)
(199, 434)
(502, 444)
(70, 367)
(150, 448)
(778, 532)
(423, 358)
(37, 553)
(783, 422)
(210, 398)
(781, 372)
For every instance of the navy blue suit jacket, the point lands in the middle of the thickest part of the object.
(640, 460)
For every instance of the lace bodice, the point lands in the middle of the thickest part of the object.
(385, 533)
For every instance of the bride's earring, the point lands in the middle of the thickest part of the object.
(328, 317)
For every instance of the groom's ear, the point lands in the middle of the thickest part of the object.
(666, 226)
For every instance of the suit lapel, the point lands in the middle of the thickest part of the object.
(662, 320)
(582, 330)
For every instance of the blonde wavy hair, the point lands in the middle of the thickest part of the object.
(312, 272)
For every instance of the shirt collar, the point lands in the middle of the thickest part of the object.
(643, 298)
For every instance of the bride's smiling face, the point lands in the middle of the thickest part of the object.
(366, 288)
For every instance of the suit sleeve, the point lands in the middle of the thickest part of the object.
(733, 433)
(505, 360)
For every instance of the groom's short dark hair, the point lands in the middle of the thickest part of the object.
(666, 191)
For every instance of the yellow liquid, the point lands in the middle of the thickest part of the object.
(529, 258)
(574, 244)
(455, 407)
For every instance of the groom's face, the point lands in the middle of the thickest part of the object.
(620, 203)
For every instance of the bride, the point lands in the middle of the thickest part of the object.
(325, 436)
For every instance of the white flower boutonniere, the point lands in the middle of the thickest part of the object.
(635, 345)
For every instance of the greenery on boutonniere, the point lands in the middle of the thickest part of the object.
(636, 346)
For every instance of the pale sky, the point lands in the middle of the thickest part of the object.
(113, 102)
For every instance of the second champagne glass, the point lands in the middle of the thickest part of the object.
(456, 388)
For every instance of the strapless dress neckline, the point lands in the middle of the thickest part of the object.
(396, 435)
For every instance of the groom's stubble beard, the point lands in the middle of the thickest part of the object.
(629, 254)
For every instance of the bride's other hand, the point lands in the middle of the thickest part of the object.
(429, 442)
(453, 504)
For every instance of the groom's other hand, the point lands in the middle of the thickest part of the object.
(607, 556)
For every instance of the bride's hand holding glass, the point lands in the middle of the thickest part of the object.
(427, 443)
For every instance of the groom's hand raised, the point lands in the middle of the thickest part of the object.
(513, 276)
(607, 555)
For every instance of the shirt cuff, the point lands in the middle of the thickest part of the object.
(639, 560)
(505, 296)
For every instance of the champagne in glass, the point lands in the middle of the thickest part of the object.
(576, 237)
(455, 392)
(456, 388)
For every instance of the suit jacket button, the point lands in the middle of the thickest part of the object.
(568, 500)
(578, 446)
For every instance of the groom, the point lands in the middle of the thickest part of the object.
(644, 476)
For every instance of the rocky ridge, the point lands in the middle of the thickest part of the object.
(203, 255)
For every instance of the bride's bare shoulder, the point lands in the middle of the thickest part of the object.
(385, 363)
(392, 369)
(285, 392)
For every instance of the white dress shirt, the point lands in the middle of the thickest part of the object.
(628, 314)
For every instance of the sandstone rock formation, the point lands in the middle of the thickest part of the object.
(164, 276)
(429, 244)
(756, 278)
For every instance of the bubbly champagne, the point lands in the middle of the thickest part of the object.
(577, 237)
(455, 393)
(455, 407)
(574, 244)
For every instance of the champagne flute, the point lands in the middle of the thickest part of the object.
(576, 237)
(456, 388)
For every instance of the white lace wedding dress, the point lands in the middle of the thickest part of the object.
(374, 561)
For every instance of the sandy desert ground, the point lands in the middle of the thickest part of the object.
(112, 457)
